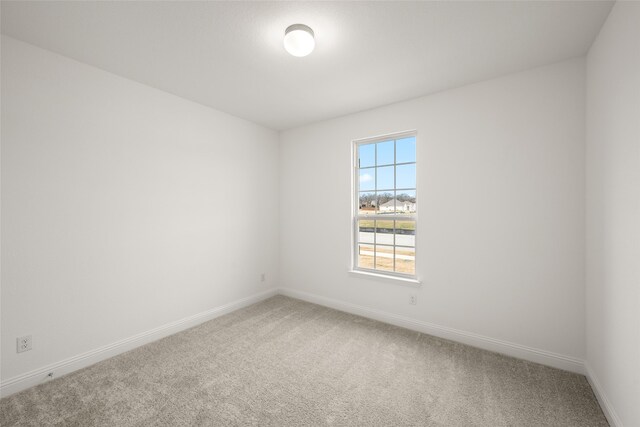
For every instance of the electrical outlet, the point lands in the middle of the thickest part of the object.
(263, 277)
(24, 343)
(413, 299)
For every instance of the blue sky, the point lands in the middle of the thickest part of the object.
(406, 174)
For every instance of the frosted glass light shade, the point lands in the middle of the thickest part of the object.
(298, 40)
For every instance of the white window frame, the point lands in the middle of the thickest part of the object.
(355, 216)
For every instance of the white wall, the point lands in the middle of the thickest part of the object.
(613, 214)
(118, 207)
(501, 206)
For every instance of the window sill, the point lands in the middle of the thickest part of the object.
(405, 281)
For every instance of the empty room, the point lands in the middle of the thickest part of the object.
(290, 213)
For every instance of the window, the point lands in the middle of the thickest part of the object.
(384, 217)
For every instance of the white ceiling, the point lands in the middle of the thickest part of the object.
(229, 55)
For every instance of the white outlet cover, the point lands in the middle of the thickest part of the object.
(24, 343)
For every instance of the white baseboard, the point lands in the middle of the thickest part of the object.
(605, 403)
(543, 357)
(80, 361)
(37, 376)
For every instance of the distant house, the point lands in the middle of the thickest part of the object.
(398, 205)
(368, 204)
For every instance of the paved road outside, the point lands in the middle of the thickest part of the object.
(387, 238)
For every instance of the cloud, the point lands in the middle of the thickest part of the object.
(366, 178)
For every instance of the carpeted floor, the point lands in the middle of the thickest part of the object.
(284, 362)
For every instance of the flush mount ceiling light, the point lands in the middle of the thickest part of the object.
(298, 40)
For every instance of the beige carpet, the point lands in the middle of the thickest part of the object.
(284, 362)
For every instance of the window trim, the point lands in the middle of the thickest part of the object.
(355, 203)
(375, 275)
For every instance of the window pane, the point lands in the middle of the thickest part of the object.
(406, 150)
(385, 178)
(366, 230)
(406, 202)
(405, 260)
(385, 153)
(366, 155)
(384, 258)
(405, 176)
(367, 179)
(385, 202)
(365, 256)
(367, 203)
(384, 232)
(405, 233)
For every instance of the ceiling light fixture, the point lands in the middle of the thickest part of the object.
(298, 40)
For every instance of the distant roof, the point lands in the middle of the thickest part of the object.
(391, 202)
